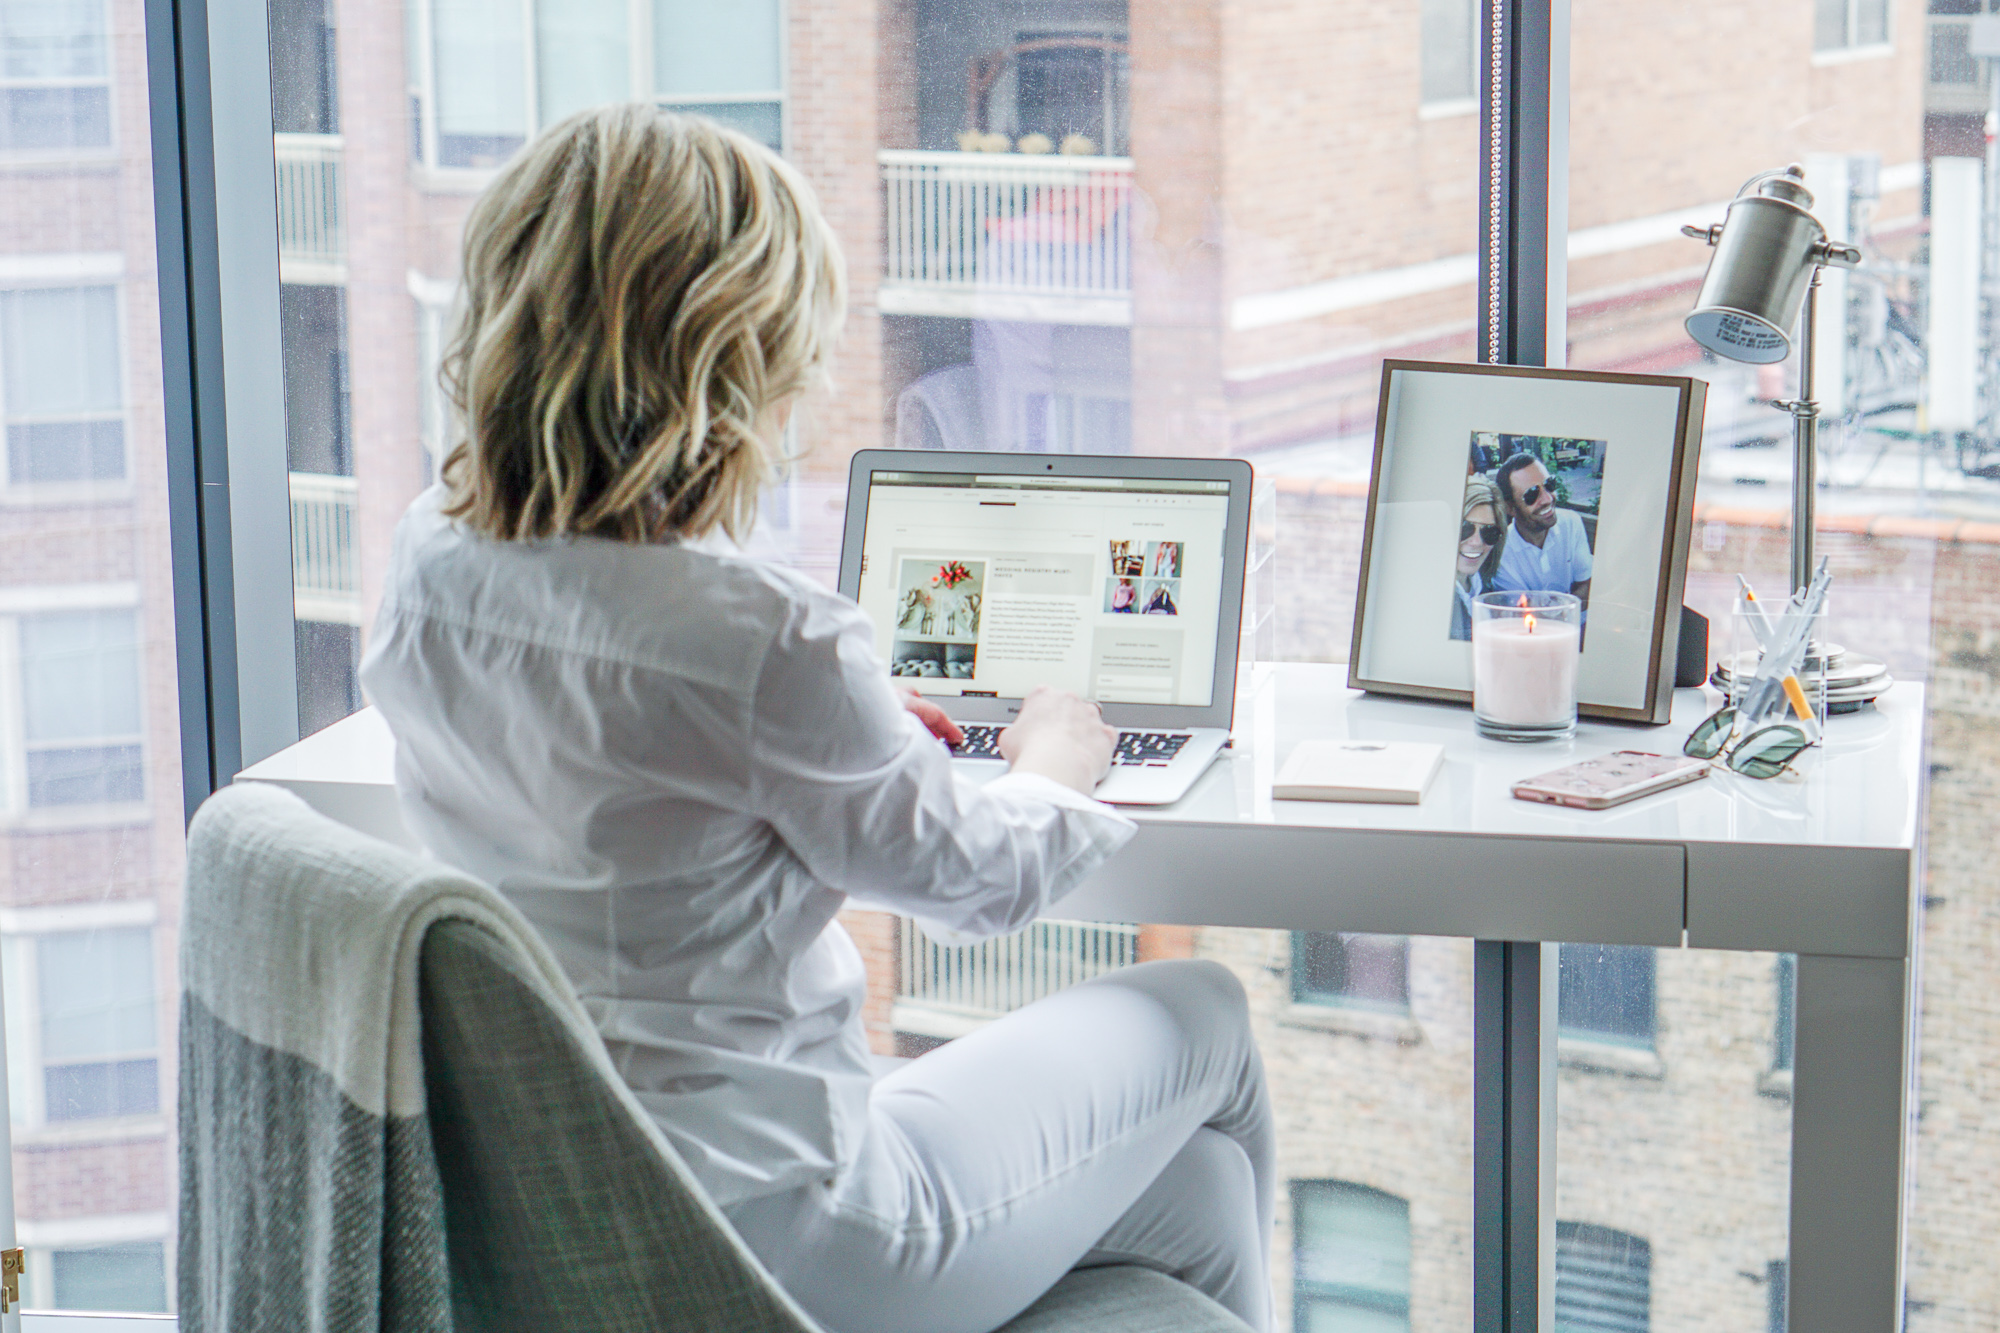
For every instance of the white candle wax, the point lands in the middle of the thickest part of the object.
(1522, 676)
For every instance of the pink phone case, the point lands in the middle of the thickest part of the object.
(1612, 779)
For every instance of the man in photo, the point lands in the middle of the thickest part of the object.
(1547, 549)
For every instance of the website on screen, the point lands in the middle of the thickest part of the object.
(992, 585)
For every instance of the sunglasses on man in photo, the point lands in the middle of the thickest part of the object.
(1532, 494)
(1488, 532)
(1762, 752)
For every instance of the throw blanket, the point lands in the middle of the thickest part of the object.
(310, 1198)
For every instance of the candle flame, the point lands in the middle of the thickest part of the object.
(1531, 623)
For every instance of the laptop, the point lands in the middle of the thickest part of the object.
(1121, 579)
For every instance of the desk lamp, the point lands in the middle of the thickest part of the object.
(1768, 253)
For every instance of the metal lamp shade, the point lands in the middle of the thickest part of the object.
(1757, 279)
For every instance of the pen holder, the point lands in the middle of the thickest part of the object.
(1525, 651)
(1736, 675)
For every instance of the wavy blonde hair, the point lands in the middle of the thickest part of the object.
(640, 292)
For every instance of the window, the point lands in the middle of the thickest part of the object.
(61, 386)
(1357, 971)
(1604, 1280)
(55, 76)
(1840, 25)
(1784, 1036)
(83, 1030)
(125, 1277)
(80, 713)
(1450, 51)
(489, 74)
(1606, 994)
(1350, 1259)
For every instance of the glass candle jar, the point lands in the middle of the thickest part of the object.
(1525, 650)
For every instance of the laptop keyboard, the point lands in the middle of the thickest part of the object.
(1134, 747)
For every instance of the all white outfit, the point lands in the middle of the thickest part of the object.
(680, 763)
(1559, 563)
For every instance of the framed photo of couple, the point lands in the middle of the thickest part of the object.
(1495, 478)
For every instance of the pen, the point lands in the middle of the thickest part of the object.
(1760, 623)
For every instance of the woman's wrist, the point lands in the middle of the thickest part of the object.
(1058, 763)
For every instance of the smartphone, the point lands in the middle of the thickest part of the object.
(1612, 779)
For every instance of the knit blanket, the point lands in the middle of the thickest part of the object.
(309, 1193)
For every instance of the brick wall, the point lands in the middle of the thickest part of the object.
(93, 1180)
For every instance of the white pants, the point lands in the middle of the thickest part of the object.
(1124, 1120)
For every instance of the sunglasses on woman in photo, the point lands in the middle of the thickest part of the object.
(1763, 752)
(1488, 532)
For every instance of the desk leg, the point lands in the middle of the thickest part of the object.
(1849, 1130)
(1513, 1136)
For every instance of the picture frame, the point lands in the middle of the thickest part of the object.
(1600, 467)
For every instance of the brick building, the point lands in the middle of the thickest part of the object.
(1272, 199)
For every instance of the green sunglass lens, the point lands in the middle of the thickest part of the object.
(1705, 741)
(1765, 754)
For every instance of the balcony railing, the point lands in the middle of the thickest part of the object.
(947, 990)
(312, 221)
(1008, 236)
(326, 568)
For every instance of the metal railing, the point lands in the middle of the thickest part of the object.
(312, 220)
(326, 566)
(998, 976)
(976, 222)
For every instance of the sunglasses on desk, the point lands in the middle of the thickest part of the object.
(1762, 752)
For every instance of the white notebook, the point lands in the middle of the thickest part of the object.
(1382, 772)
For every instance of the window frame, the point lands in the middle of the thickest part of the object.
(108, 150)
(17, 808)
(1851, 47)
(1307, 1292)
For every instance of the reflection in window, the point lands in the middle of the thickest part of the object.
(1450, 56)
(61, 386)
(55, 76)
(98, 1035)
(1355, 971)
(1350, 1259)
(1607, 993)
(490, 74)
(126, 1278)
(1604, 1280)
(80, 707)
(1840, 24)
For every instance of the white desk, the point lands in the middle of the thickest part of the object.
(1823, 868)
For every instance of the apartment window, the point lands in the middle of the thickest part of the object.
(93, 1030)
(491, 73)
(127, 1277)
(1450, 53)
(1604, 1280)
(80, 717)
(1607, 994)
(1353, 971)
(1784, 1036)
(55, 76)
(1350, 1259)
(61, 386)
(1840, 25)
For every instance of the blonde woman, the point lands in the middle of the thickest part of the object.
(1481, 538)
(681, 762)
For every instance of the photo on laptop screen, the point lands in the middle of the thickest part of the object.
(992, 584)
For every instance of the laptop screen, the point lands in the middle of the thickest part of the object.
(991, 585)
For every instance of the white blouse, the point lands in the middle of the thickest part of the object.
(680, 763)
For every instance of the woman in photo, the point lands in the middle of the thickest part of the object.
(1123, 594)
(681, 763)
(1481, 537)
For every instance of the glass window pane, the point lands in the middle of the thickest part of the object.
(97, 993)
(1871, 22)
(1830, 19)
(80, 675)
(762, 121)
(43, 120)
(52, 39)
(715, 46)
(1607, 993)
(60, 349)
(482, 80)
(583, 55)
(1366, 971)
(129, 1278)
(1450, 49)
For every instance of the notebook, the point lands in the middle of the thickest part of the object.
(1377, 772)
(1119, 578)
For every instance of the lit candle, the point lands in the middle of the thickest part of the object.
(1524, 670)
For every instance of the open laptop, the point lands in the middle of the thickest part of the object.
(987, 574)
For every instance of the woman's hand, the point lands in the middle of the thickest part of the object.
(1061, 737)
(940, 724)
